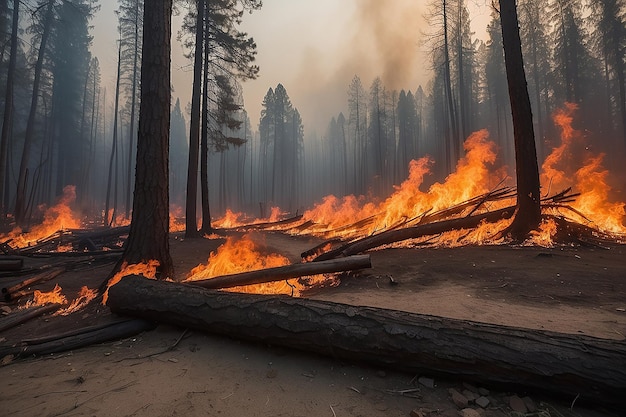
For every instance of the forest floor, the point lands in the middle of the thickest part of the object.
(576, 290)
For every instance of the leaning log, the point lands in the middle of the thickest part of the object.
(489, 354)
(414, 232)
(285, 272)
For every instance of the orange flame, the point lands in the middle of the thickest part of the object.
(544, 236)
(42, 298)
(147, 269)
(84, 297)
(177, 219)
(590, 180)
(242, 255)
(473, 176)
(57, 217)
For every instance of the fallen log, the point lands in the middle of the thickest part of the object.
(285, 272)
(113, 331)
(23, 316)
(489, 354)
(11, 264)
(35, 279)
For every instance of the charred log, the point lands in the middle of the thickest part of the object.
(23, 316)
(11, 264)
(285, 272)
(78, 338)
(489, 354)
(36, 279)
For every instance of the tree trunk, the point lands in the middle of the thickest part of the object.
(20, 198)
(528, 214)
(113, 160)
(133, 96)
(499, 356)
(204, 143)
(191, 225)
(7, 123)
(149, 229)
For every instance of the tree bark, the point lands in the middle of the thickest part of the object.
(528, 214)
(490, 354)
(285, 272)
(149, 229)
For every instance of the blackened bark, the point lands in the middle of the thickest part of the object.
(528, 214)
(149, 229)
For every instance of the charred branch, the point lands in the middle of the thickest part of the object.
(286, 272)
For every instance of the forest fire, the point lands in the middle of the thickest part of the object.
(55, 218)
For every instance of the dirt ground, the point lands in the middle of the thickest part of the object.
(577, 290)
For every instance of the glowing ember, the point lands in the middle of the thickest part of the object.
(242, 255)
(147, 269)
(561, 170)
(57, 217)
(84, 297)
(42, 298)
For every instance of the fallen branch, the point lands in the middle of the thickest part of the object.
(36, 279)
(117, 330)
(23, 316)
(485, 353)
(285, 272)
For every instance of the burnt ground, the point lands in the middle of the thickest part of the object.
(576, 290)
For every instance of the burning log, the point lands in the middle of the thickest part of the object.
(285, 272)
(486, 353)
(23, 316)
(36, 279)
(397, 235)
(78, 338)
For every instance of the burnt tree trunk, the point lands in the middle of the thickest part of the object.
(149, 229)
(490, 354)
(528, 214)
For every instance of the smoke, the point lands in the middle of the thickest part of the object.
(329, 43)
(393, 30)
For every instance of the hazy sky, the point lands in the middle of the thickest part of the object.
(312, 47)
